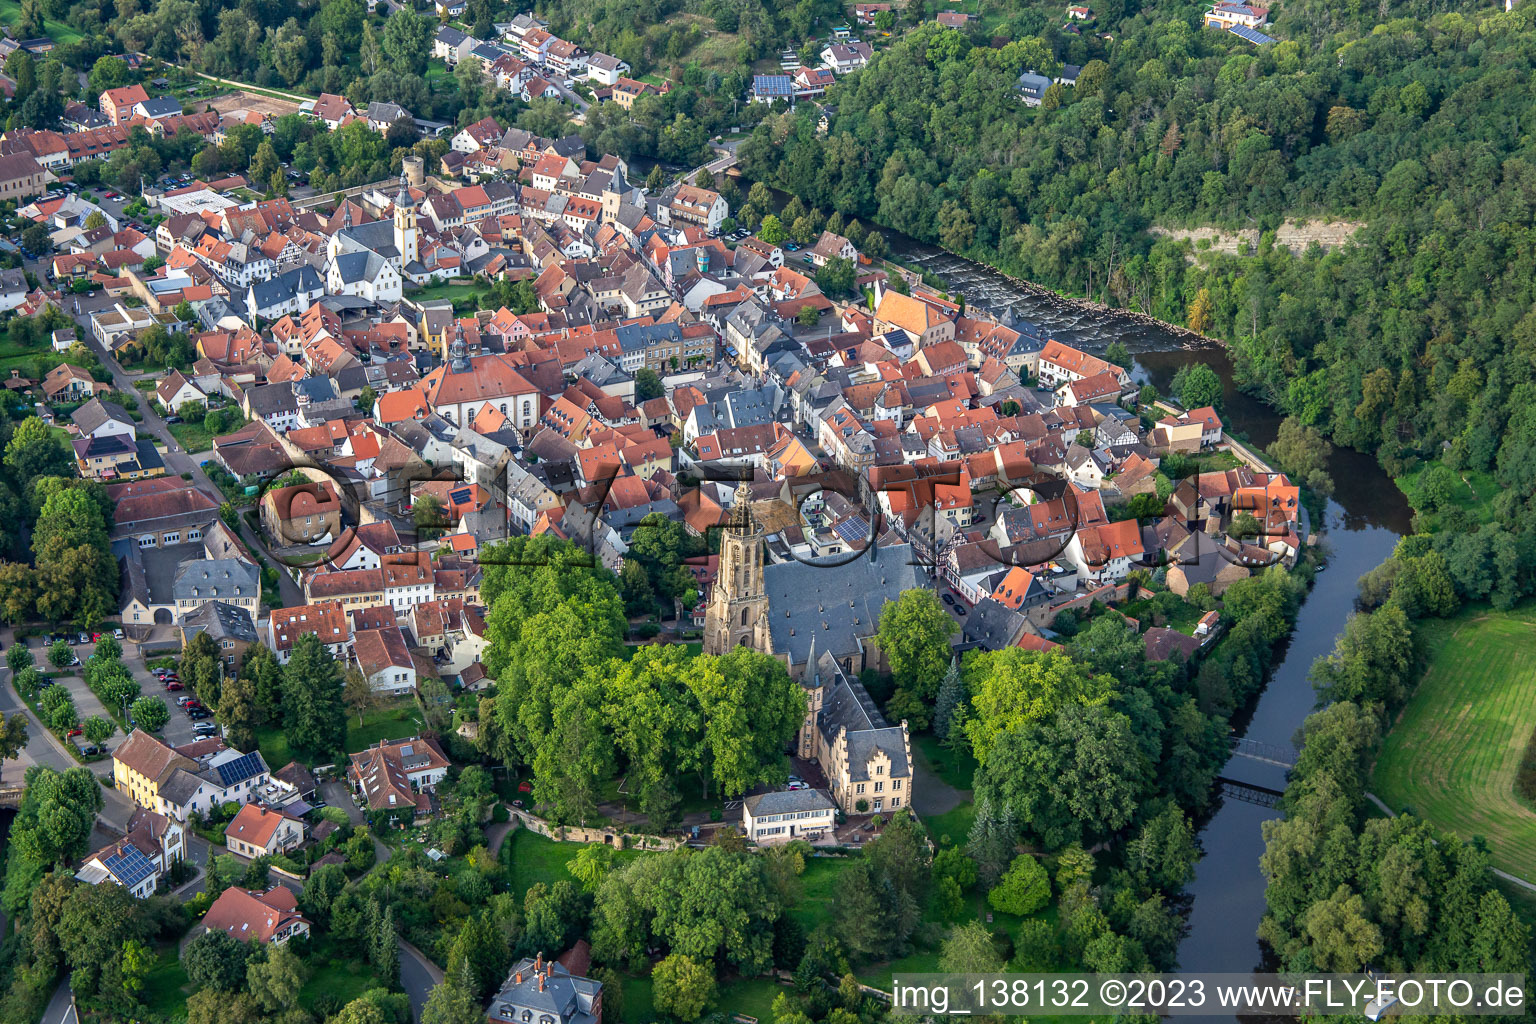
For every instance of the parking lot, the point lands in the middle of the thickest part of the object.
(179, 730)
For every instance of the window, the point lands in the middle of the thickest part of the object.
(879, 769)
(896, 785)
(879, 787)
(860, 788)
(895, 801)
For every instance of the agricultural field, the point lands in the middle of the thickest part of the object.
(1455, 752)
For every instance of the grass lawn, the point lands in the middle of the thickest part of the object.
(394, 720)
(1472, 493)
(58, 31)
(639, 1000)
(1454, 753)
(166, 987)
(455, 291)
(194, 437)
(342, 979)
(955, 824)
(533, 859)
(751, 996)
(957, 769)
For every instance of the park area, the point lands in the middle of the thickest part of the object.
(1455, 754)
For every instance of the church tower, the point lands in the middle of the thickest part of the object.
(407, 236)
(738, 600)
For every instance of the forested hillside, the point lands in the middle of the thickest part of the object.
(1407, 118)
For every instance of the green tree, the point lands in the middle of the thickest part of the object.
(314, 714)
(478, 955)
(13, 736)
(837, 276)
(1077, 775)
(34, 452)
(1013, 688)
(969, 950)
(1197, 386)
(60, 654)
(19, 657)
(914, 637)
(358, 693)
(93, 929)
(276, 979)
(238, 712)
(217, 960)
(647, 385)
(453, 1002)
(684, 987)
(97, 729)
(150, 712)
(56, 814)
(201, 669)
(1023, 890)
(772, 230)
(407, 41)
(948, 708)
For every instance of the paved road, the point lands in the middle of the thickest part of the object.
(61, 1008)
(177, 461)
(418, 975)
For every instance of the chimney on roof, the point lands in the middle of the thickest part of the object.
(541, 983)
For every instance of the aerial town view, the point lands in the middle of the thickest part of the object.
(576, 512)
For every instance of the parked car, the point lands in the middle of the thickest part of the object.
(83, 638)
(184, 701)
(949, 599)
(173, 685)
(74, 732)
(118, 634)
(197, 714)
(799, 785)
(204, 729)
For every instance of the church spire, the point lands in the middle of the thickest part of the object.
(458, 352)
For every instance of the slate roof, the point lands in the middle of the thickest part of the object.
(789, 801)
(221, 621)
(286, 285)
(838, 606)
(90, 416)
(220, 577)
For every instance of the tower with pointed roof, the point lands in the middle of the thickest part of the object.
(407, 235)
(738, 603)
(458, 351)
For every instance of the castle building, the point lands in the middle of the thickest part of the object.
(820, 620)
(778, 608)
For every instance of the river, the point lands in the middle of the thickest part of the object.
(1362, 523)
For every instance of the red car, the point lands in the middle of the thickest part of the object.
(525, 787)
(95, 637)
(173, 686)
(72, 733)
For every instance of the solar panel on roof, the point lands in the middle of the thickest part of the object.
(1251, 35)
(242, 767)
(853, 529)
(129, 866)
